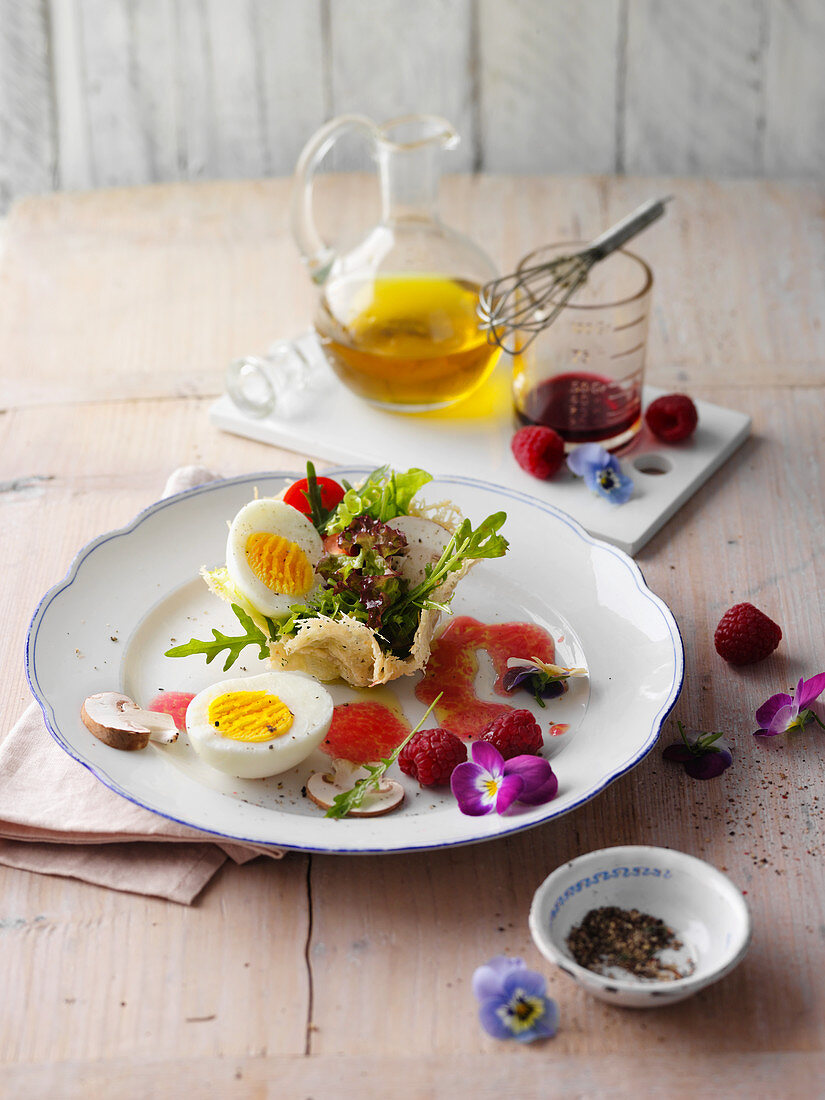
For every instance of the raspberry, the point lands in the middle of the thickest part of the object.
(538, 450)
(672, 418)
(431, 756)
(745, 635)
(515, 733)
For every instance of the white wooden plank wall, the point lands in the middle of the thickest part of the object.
(694, 87)
(548, 85)
(27, 138)
(95, 93)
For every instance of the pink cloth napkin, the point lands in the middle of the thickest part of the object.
(57, 819)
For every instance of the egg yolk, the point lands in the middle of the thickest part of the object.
(280, 564)
(249, 716)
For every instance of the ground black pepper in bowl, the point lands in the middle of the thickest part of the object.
(625, 938)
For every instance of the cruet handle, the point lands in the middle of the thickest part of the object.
(317, 255)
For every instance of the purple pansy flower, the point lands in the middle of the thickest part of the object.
(783, 713)
(543, 680)
(704, 755)
(489, 782)
(512, 1001)
(601, 472)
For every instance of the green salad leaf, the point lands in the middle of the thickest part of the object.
(400, 616)
(384, 495)
(252, 635)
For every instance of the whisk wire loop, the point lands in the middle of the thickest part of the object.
(517, 307)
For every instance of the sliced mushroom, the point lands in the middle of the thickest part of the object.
(322, 788)
(120, 723)
(426, 540)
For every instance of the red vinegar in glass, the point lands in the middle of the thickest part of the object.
(584, 407)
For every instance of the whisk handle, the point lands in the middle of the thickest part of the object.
(628, 227)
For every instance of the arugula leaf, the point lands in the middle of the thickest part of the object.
(350, 800)
(465, 545)
(484, 542)
(235, 645)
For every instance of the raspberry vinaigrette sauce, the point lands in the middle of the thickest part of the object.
(364, 731)
(453, 664)
(583, 407)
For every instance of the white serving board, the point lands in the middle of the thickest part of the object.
(473, 439)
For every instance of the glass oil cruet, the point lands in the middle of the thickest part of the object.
(396, 315)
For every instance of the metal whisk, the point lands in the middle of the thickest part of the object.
(524, 303)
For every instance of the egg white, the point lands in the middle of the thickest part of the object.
(267, 516)
(311, 707)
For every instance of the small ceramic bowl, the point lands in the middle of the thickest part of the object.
(703, 908)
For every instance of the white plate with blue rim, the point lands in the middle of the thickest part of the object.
(133, 593)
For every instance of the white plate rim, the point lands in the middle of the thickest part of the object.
(508, 826)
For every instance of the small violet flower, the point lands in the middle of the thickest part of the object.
(545, 681)
(512, 1001)
(783, 713)
(601, 472)
(704, 755)
(489, 782)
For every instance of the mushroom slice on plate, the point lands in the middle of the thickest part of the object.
(120, 723)
(323, 787)
(426, 540)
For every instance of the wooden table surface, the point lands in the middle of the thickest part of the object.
(324, 976)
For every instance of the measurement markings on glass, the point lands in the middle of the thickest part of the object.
(630, 351)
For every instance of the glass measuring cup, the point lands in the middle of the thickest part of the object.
(583, 374)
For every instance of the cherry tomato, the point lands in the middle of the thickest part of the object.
(331, 494)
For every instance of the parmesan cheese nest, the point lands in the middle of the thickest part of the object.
(326, 648)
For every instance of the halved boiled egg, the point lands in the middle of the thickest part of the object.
(271, 554)
(258, 726)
